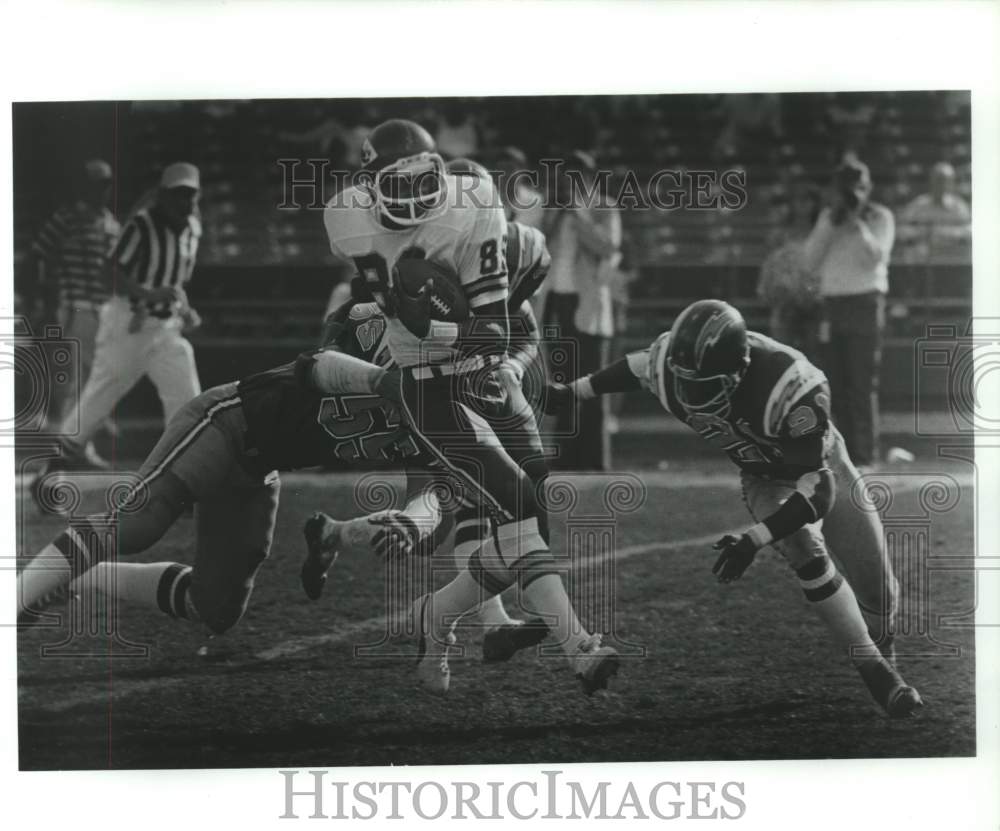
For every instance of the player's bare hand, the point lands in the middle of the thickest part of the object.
(413, 310)
(737, 555)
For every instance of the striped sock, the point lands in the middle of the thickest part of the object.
(67, 557)
(471, 532)
(833, 599)
(162, 586)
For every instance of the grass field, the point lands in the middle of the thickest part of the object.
(728, 672)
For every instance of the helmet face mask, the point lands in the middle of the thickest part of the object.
(410, 190)
(709, 395)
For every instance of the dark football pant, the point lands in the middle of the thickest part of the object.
(199, 459)
(452, 417)
(853, 364)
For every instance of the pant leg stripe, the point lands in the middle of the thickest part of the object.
(457, 471)
(183, 443)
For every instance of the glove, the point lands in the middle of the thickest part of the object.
(737, 554)
(391, 541)
(414, 312)
(558, 398)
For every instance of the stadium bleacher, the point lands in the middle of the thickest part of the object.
(265, 272)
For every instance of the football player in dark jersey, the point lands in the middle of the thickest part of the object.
(221, 453)
(768, 408)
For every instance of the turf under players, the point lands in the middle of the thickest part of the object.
(768, 408)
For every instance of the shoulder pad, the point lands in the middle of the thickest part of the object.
(364, 311)
(798, 379)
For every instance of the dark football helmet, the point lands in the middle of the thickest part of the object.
(404, 172)
(707, 354)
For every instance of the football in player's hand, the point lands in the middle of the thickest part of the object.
(447, 297)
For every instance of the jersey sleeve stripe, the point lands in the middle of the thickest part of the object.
(798, 379)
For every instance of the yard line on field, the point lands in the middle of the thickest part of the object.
(348, 631)
(297, 645)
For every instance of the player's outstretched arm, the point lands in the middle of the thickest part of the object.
(625, 375)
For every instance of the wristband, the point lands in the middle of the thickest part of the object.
(583, 390)
(759, 535)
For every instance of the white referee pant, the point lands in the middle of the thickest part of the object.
(122, 358)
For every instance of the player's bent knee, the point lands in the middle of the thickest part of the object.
(802, 546)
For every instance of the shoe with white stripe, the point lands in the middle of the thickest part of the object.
(595, 665)
(432, 648)
(322, 535)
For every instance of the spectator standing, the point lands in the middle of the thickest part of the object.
(936, 226)
(849, 248)
(786, 285)
(585, 235)
(70, 255)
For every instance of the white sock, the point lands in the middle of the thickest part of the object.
(546, 595)
(162, 586)
(490, 612)
(834, 601)
(455, 599)
(47, 571)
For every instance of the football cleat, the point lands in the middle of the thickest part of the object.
(595, 664)
(890, 691)
(432, 649)
(322, 535)
(501, 643)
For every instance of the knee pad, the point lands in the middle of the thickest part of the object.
(524, 552)
(802, 546)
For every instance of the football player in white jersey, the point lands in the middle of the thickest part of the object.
(408, 206)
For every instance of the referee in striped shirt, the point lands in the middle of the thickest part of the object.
(142, 324)
(71, 253)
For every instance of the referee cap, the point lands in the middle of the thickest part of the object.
(180, 175)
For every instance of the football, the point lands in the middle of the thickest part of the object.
(448, 300)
